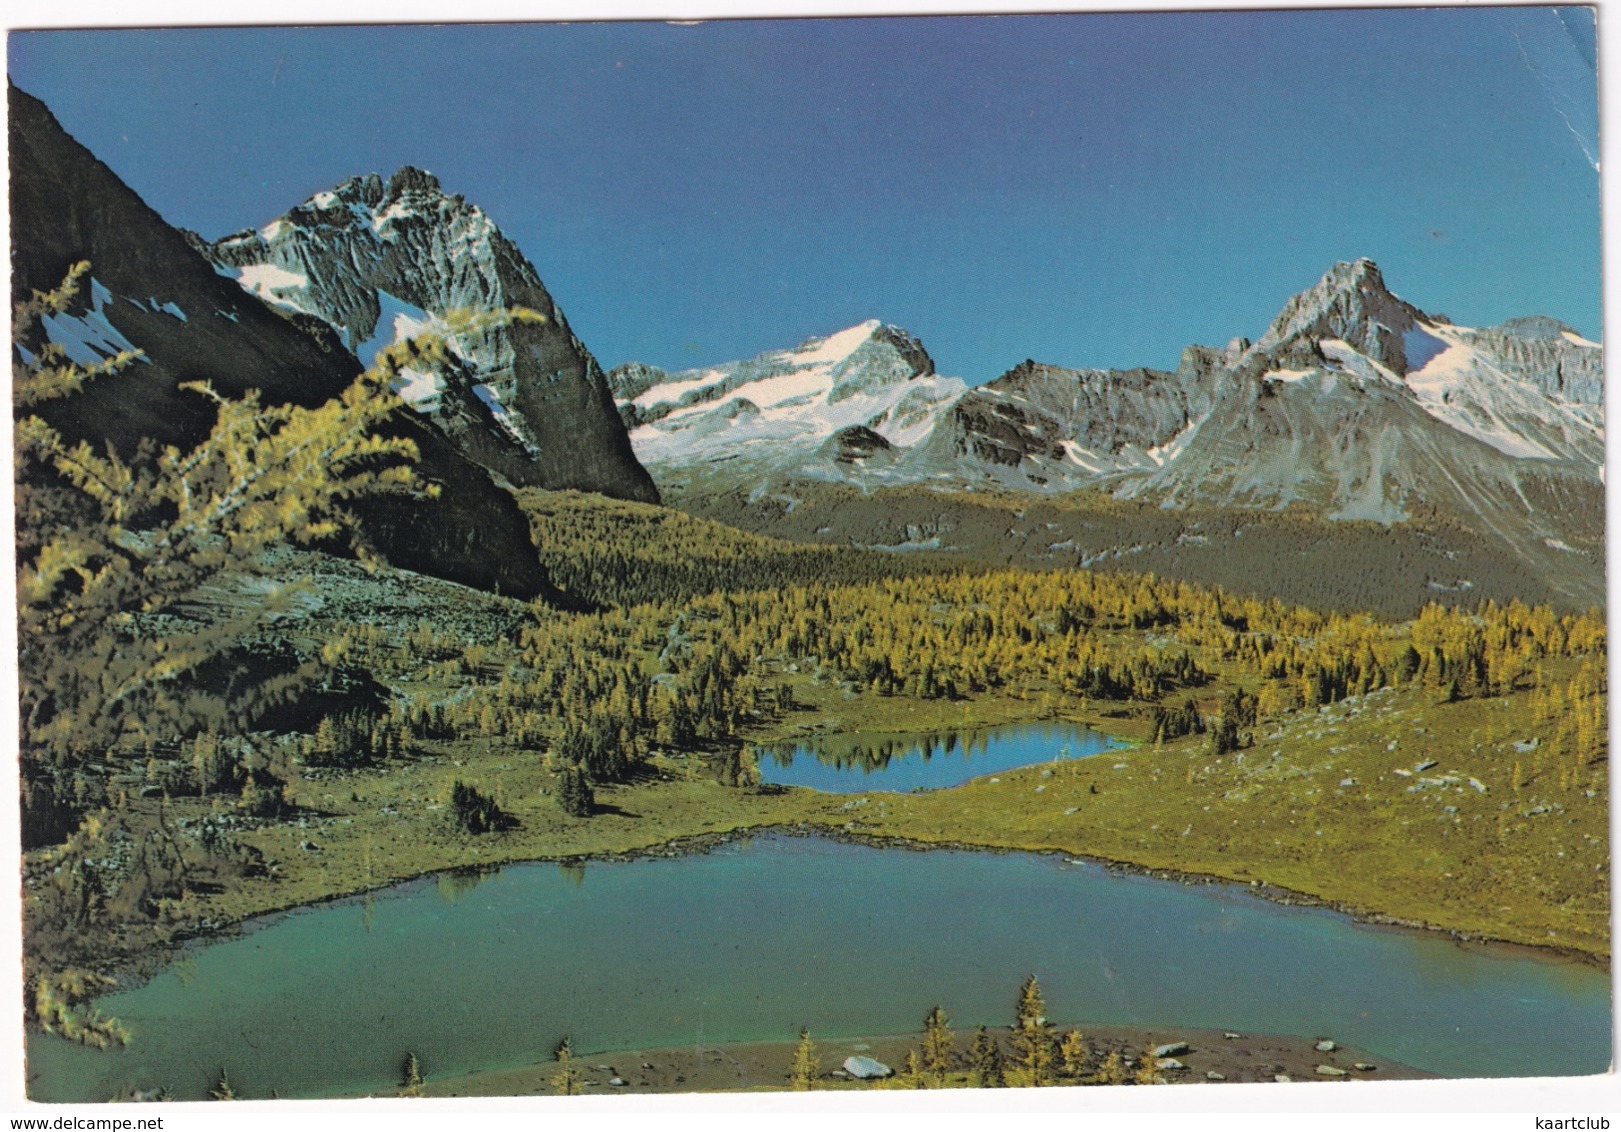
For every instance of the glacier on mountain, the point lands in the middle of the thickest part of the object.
(781, 408)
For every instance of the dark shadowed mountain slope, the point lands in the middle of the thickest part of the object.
(150, 289)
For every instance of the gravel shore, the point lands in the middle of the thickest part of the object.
(1211, 1057)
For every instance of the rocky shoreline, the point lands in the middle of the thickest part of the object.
(1194, 1056)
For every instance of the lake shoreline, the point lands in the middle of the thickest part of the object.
(771, 810)
(145, 965)
(761, 1066)
(1276, 894)
(820, 852)
(700, 843)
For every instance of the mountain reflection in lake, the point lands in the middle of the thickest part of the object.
(907, 762)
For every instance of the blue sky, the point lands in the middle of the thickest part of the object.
(1083, 190)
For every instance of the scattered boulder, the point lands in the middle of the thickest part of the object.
(1231, 1036)
(1212, 1075)
(1168, 1063)
(867, 1068)
(1325, 1046)
(1170, 1049)
(1282, 1078)
(617, 1082)
(1330, 1071)
(1366, 1067)
(1425, 765)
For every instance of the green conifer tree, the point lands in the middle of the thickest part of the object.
(574, 793)
(1073, 1055)
(937, 1047)
(566, 1081)
(802, 1072)
(985, 1055)
(411, 1076)
(1032, 1036)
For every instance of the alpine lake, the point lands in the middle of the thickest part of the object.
(759, 936)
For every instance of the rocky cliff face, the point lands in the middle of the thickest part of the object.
(379, 260)
(1548, 354)
(1052, 428)
(1349, 304)
(150, 289)
(1364, 406)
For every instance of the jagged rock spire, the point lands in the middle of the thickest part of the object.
(1351, 303)
(377, 259)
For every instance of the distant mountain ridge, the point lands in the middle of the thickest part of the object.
(379, 260)
(1353, 403)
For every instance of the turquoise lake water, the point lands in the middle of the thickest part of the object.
(901, 763)
(758, 938)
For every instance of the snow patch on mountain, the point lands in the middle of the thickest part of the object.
(1081, 456)
(1288, 376)
(271, 282)
(88, 338)
(397, 321)
(671, 392)
(1462, 386)
(1354, 362)
(421, 390)
(1163, 454)
(836, 347)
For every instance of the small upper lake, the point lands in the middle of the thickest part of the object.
(902, 763)
(758, 938)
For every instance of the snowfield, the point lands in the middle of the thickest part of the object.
(802, 398)
(1462, 388)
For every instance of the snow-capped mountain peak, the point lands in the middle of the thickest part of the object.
(1351, 305)
(379, 260)
(782, 407)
